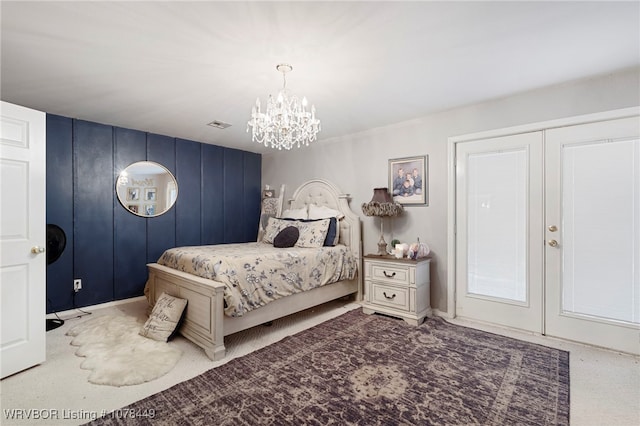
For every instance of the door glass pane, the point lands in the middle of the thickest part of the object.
(601, 230)
(497, 225)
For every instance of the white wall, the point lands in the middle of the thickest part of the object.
(358, 163)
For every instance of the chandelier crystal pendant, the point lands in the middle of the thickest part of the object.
(287, 121)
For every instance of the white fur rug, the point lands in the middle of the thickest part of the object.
(118, 355)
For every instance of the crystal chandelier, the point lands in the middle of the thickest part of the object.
(287, 121)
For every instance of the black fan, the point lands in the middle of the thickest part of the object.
(56, 242)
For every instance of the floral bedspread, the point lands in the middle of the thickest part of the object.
(256, 273)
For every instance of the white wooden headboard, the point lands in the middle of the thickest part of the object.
(324, 193)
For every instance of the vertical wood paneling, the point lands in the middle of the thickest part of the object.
(130, 231)
(60, 208)
(212, 190)
(161, 230)
(188, 211)
(93, 211)
(233, 201)
(107, 246)
(251, 194)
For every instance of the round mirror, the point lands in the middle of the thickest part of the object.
(147, 189)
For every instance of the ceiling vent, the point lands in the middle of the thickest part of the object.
(219, 124)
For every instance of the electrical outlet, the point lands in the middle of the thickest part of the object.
(77, 285)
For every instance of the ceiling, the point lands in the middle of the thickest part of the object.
(172, 67)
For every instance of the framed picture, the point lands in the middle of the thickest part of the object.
(150, 209)
(133, 193)
(150, 194)
(409, 180)
(133, 208)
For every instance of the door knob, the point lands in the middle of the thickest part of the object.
(37, 250)
(553, 243)
(553, 228)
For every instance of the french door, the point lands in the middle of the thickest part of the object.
(548, 232)
(593, 233)
(499, 254)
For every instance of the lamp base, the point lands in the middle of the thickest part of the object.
(382, 246)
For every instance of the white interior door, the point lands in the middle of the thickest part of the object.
(499, 242)
(593, 215)
(22, 238)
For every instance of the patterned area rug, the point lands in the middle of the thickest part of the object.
(372, 370)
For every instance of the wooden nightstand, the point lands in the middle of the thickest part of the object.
(397, 287)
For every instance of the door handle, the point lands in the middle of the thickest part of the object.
(37, 249)
(552, 243)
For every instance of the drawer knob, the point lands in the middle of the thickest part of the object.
(393, 274)
(389, 297)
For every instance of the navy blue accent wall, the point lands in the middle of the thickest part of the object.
(252, 194)
(93, 211)
(59, 165)
(212, 219)
(188, 211)
(130, 231)
(232, 199)
(161, 232)
(108, 247)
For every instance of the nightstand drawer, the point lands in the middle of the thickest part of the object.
(393, 297)
(390, 273)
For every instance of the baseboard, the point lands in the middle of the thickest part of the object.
(434, 312)
(439, 313)
(95, 307)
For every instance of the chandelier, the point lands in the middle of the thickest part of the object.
(287, 122)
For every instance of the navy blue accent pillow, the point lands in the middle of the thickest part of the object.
(287, 237)
(331, 232)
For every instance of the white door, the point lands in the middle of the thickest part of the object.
(22, 238)
(593, 233)
(499, 239)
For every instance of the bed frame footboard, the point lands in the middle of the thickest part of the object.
(203, 323)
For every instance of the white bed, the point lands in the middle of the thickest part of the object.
(205, 323)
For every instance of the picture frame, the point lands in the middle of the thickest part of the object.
(150, 209)
(133, 193)
(133, 208)
(150, 194)
(412, 188)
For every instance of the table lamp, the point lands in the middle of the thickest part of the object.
(382, 205)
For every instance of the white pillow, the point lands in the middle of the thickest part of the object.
(312, 234)
(323, 212)
(300, 213)
(164, 319)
